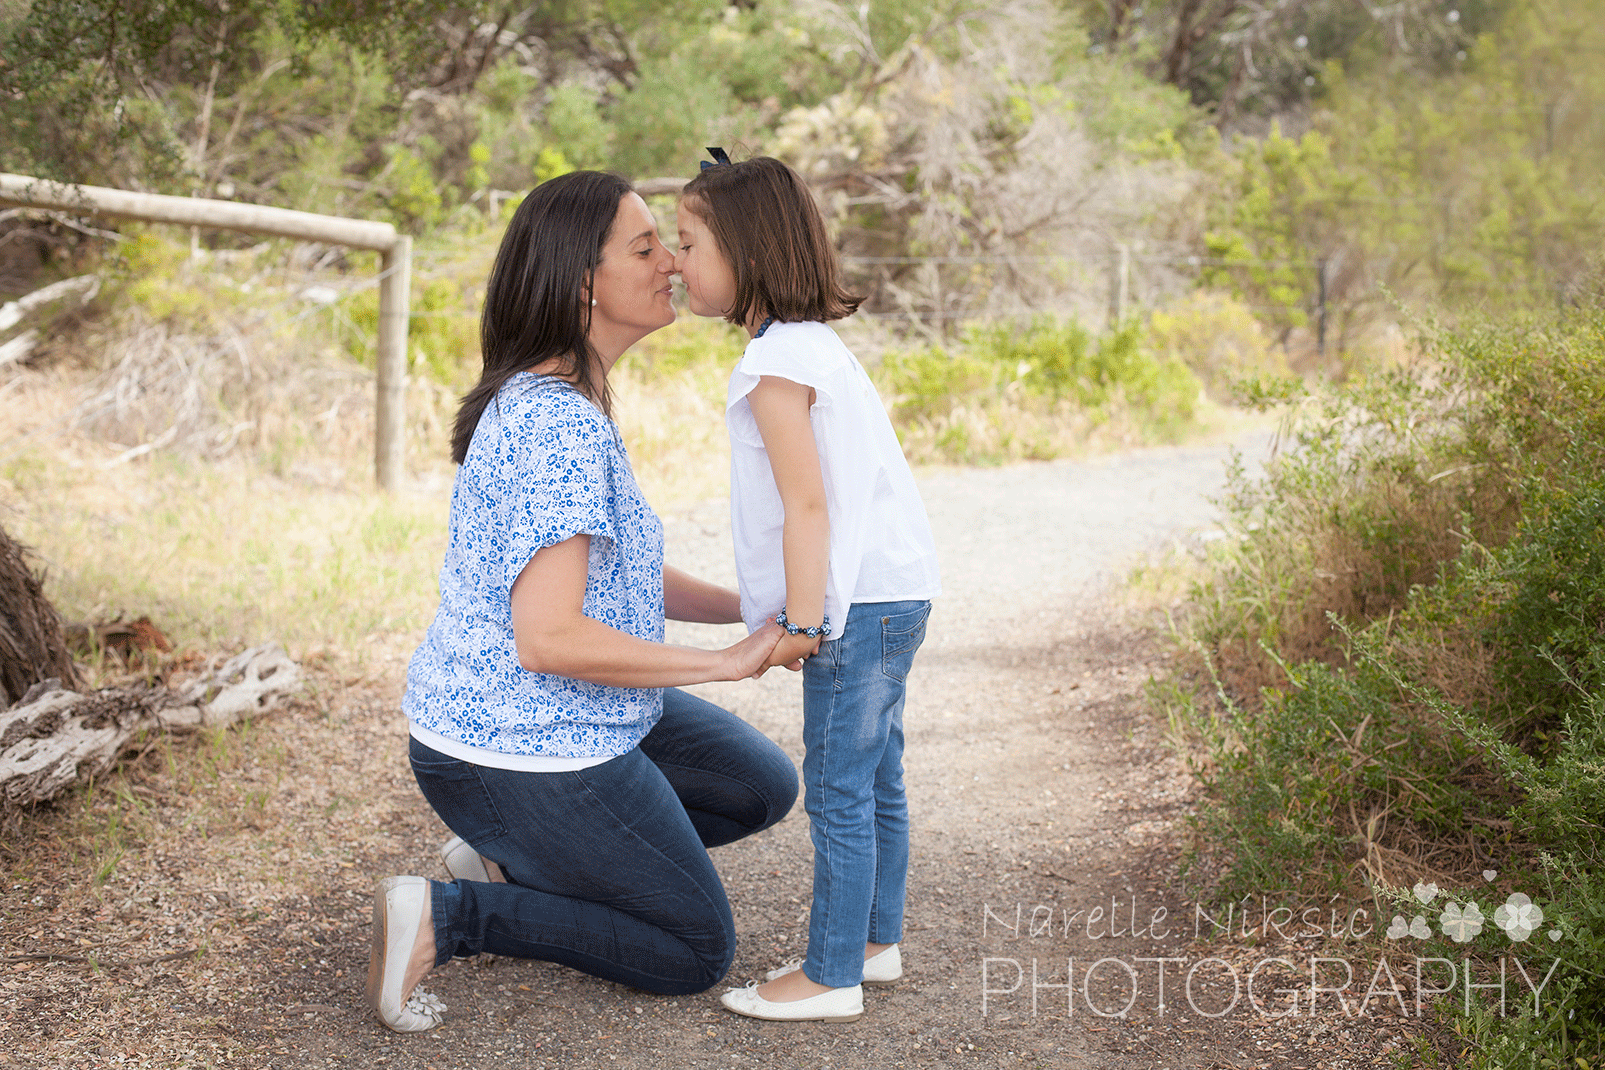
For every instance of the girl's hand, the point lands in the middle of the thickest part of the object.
(753, 655)
(791, 650)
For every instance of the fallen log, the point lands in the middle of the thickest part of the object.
(53, 736)
(84, 288)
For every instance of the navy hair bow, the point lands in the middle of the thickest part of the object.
(720, 158)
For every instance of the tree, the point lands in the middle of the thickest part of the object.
(1262, 57)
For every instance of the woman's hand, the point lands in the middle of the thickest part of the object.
(753, 656)
(792, 650)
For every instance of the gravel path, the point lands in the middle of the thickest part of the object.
(1045, 829)
(1033, 782)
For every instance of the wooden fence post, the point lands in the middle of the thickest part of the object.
(1320, 311)
(395, 284)
(390, 413)
(1119, 285)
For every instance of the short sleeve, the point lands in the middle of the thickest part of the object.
(556, 481)
(784, 361)
(806, 353)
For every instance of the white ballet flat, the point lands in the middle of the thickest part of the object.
(882, 968)
(837, 1005)
(398, 912)
(462, 861)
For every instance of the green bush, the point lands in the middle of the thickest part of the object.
(1329, 780)
(1007, 392)
(1456, 711)
(1550, 634)
(1219, 339)
(928, 382)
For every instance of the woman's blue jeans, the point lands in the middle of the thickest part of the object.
(853, 691)
(607, 867)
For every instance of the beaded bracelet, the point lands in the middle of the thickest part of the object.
(794, 629)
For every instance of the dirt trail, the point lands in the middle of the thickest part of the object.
(1045, 828)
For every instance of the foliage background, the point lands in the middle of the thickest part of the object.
(1383, 221)
(976, 159)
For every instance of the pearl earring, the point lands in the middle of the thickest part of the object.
(593, 302)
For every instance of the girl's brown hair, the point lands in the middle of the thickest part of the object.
(771, 233)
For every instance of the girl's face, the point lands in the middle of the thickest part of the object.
(709, 282)
(631, 285)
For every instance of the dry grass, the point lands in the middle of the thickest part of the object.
(220, 478)
(190, 907)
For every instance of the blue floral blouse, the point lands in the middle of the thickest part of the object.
(544, 465)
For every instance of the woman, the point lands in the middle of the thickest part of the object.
(546, 731)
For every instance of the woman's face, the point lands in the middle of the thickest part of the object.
(709, 283)
(631, 286)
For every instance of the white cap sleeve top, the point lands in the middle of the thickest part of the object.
(881, 548)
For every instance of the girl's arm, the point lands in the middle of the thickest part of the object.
(553, 635)
(780, 408)
(687, 598)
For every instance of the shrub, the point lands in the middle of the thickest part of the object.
(1550, 633)
(1219, 339)
(1449, 520)
(1382, 483)
(1037, 391)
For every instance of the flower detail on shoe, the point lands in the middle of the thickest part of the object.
(780, 971)
(426, 1005)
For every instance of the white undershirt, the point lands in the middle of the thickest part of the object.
(495, 759)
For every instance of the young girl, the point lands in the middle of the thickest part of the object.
(832, 542)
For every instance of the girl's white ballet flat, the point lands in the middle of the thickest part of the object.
(398, 909)
(882, 968)
(837, 1005)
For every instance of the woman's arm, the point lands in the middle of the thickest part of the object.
(553, 635)
(780, 408)
(687, 598)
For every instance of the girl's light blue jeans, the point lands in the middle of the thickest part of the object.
(853, 691)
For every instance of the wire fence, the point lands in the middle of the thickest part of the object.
(1129, 279)
(1121, 282)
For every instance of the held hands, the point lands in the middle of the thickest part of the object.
(791, 650)
(753, 656)
(764, 649)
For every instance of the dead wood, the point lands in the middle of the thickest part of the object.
(55, 735)
(83, 288)
(32, 648)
